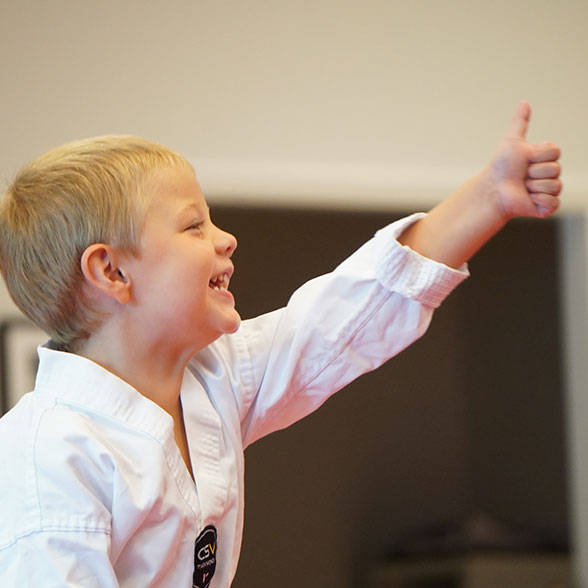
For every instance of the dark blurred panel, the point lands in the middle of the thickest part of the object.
(469, 419)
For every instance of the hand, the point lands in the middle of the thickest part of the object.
(522, 180)
(526, 175)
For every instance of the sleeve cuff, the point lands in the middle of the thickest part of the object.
(402, 270)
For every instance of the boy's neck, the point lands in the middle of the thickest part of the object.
(155, 374)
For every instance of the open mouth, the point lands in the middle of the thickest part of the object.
(220, 282)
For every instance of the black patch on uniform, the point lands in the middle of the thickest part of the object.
(205, 556)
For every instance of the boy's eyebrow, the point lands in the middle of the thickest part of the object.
(193, 207)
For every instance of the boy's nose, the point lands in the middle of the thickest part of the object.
(225, 243)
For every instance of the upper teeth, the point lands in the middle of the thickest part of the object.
(221, 282)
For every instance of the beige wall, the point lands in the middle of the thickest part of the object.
(337, 103)
(415, 92)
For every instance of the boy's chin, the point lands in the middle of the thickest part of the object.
(230, 323)
(234, 327)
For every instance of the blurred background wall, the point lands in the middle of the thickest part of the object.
(371, 105)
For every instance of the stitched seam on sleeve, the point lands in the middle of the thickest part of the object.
(54, 529)
(291, 393)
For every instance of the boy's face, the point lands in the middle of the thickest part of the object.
(180, 279)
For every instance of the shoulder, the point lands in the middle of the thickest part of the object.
(57, 473)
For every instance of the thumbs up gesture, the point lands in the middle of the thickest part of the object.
(526, 175)
(521, 180)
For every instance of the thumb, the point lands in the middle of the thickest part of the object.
(520, 121)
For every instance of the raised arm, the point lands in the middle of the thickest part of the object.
(521, 180)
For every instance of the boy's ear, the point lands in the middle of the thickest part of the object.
(100, 266)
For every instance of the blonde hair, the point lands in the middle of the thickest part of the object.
(89, 191)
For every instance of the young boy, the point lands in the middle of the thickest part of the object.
(124, 467)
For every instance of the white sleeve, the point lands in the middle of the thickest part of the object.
(335, 328)
(58, 559)
(55, 525)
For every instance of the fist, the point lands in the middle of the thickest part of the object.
(526, 175)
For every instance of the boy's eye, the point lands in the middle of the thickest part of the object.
(196, 226)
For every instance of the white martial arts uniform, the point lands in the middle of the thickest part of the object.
(94, 492)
